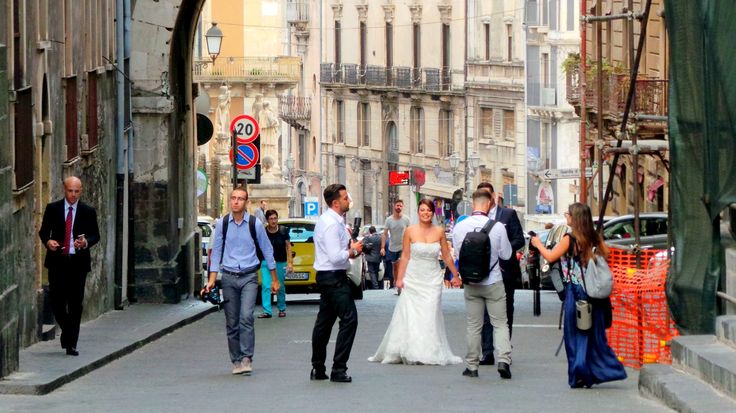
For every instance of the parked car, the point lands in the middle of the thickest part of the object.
(619, 231)
(206, 227)
(304, 277)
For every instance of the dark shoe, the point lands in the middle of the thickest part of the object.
(470, 373)
(71, 351)
(282, 314)
(318, 375)
(504, 370)
(264, 315)
(488, 361)
(340, 377)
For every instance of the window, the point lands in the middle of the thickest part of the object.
(389, 50)
(545, 70)
(545, 12)
(445, 56)
(70, 106)
(23, 138)
(417, 40)
(92, 125)
(339, 121)
(510, 43)
(445, 127)
(486, 123)
(487, 36)
(300, 232)
(340, 168)
(337, 44)
(68, 38)
(302, 152)
(364, 124)
(363, 40)
(509, 125)
(416, 129)
(545, 145)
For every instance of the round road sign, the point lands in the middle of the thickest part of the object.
(247, 156)
(464, 208)
(245, 128)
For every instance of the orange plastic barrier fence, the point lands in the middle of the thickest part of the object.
(642, 327)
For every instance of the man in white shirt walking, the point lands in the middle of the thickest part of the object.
(333, 249)
(487, 294)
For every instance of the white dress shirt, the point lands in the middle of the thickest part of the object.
(500, 245)
(331, 242)
(74, 206)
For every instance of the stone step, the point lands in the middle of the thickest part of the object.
(682, 392)
(707, 358)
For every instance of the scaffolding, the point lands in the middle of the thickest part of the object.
(626, 138)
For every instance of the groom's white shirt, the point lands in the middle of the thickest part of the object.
(331, 241)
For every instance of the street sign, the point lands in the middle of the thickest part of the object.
(247, 156)
(569, 173)
(398, 178)
(464, 208)
(245, 128)
(311, 209)
(249, 174)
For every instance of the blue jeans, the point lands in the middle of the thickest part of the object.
(266, 287)
(241, 295)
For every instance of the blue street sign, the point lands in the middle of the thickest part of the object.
(311, 209)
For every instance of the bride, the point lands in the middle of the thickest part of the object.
(416, 334)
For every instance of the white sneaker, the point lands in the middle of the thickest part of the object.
(238, 367)
(246, 366)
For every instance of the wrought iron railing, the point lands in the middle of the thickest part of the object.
(295, 107)
(399, 77)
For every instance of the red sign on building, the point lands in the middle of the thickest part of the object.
(398, 178)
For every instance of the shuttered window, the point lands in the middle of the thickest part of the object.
(23, 139)
(70, 107)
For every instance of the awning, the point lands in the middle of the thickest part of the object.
(438, 190)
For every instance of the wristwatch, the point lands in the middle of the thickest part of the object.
(354, 251)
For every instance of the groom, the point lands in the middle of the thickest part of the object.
(488, 294)
(332, 250)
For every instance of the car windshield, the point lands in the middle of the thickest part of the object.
(206, 229)
(300, 232)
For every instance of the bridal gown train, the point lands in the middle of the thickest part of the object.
(416, 334)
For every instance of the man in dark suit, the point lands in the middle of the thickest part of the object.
(510, 269)
(69, 229)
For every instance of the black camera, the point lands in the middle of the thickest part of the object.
(213, 297)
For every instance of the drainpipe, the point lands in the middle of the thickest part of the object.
(583, 103)
(130, 276)
(468, 183)
(121, 240)
(321, 112)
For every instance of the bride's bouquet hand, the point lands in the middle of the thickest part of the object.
(399, 284)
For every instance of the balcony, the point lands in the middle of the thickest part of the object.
(501, 73)
(297, 12)
(650, 97)
(280, 69)
(296, 111)
(398, 78)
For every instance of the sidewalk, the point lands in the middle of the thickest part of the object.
(44, 367)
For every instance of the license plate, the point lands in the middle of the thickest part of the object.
(297, 276)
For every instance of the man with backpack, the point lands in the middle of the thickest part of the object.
(240, 244)
(480, 243)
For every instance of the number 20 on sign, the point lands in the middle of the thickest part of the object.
(245, 128)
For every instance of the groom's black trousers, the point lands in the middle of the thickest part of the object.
(335, 301)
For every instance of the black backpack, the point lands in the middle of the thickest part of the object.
(251, 226)
(475, 255)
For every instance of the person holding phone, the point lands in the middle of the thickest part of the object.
(68, 231)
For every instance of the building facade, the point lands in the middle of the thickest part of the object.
(639, 184)
(552, 34)
(57, 120)
(399, 106)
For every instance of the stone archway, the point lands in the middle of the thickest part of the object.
(163, 189)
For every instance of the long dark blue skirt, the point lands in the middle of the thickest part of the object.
(589, 358)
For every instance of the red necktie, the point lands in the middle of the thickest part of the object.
(67, 232)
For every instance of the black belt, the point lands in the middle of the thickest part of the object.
(238, 274)
(333, 272)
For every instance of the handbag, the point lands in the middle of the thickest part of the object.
(597, 277)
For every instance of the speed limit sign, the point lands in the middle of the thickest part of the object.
(245, 128)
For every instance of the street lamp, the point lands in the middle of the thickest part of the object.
(454, 163)
(214, 41)
(436, 169)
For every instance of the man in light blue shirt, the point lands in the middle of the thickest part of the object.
(239, 263)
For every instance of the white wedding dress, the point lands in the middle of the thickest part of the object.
(416, 334)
